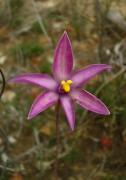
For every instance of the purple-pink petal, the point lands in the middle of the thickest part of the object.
(89, 101)
(68, 109)
(43, 80)
(42, 102)
(82, 75)
(63, 59)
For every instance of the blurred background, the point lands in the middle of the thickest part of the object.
(29, 33)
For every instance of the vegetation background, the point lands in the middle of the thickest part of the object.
(29, 33)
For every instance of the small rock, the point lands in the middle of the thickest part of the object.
(4, 157)
(8, 96)
(11, 140)
(2, 59)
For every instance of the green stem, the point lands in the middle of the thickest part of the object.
(57, 138)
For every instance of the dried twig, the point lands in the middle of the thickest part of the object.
(26, 153)
(5, 140)
(39, 18)
(100, 88)
(6, 168)
(100, 22)
(99, 167)
(36, 135)
(47, 164)
(110, 80)
(3, 82)
(32, 150)
(13, 33)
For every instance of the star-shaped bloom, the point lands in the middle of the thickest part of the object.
(64, 85)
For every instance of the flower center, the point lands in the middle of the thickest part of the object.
(66, 85)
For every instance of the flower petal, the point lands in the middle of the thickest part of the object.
(63, 59)
(82, 75)
(69, 110)
(43, 80)
(42, 102)
(89, 101)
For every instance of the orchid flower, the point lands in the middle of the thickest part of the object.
(64, 85)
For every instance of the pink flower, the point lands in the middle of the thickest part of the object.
(64, 85)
